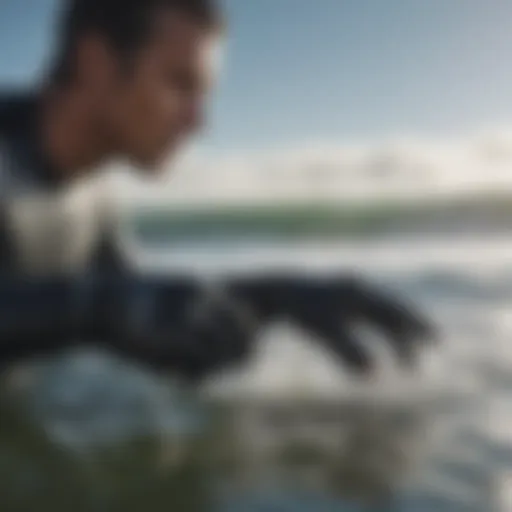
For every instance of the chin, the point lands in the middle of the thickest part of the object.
(155, 164)
(150, 167)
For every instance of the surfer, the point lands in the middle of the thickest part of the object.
(129, 80)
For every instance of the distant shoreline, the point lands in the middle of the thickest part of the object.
(475, 213)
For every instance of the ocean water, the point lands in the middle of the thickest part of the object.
(291, 431)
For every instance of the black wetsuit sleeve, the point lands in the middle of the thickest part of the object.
(151, 320)
(40, 315)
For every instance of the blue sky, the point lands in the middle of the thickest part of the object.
(336, 70)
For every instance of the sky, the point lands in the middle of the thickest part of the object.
(335, 73)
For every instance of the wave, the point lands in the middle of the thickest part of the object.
(488, 213)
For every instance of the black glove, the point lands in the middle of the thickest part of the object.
(331, 307)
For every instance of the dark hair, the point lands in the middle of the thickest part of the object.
(124, 24)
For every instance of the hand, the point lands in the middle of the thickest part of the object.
(331, 308)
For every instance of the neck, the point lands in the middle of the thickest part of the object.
(69, 137)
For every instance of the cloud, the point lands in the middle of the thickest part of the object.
(400, 168)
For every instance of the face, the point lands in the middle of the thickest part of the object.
(152, 107)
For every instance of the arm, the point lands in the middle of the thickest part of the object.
(155, 321)
(173, 324)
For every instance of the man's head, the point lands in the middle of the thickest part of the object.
(144, 66)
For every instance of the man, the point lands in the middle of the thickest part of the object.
(130, 80)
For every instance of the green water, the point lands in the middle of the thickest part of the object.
(218, 469)
(154, 224)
